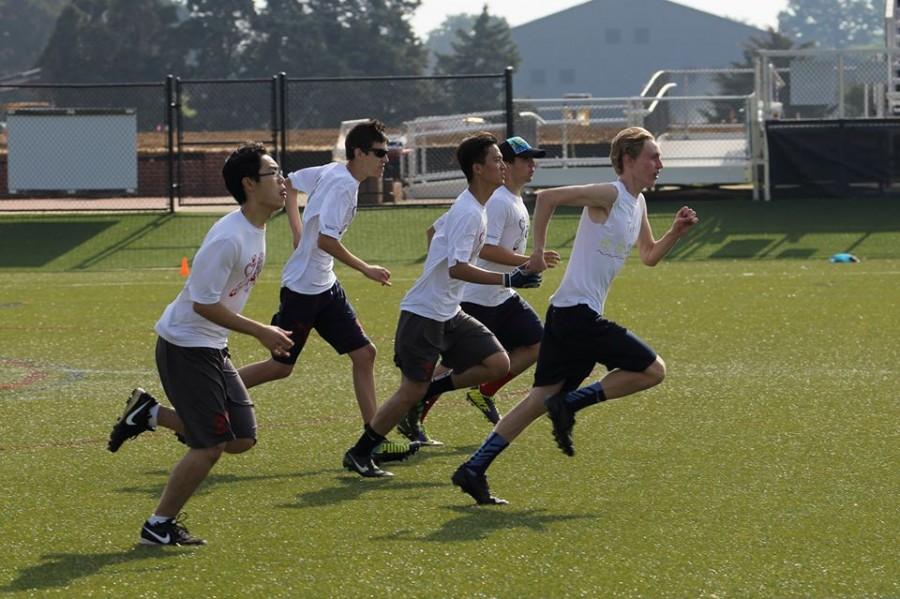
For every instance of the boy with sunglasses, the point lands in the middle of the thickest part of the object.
(311, 296)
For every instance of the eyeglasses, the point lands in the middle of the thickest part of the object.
(277, 174)
(379, 152)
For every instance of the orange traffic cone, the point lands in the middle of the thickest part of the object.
(185, 269)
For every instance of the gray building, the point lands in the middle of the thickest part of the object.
(610, 48)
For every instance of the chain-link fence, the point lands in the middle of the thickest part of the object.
(698, 144)
(828, 84)
(184, 130)
(65, 124)
(212, 118)
(426, 118)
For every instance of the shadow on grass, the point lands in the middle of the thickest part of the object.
(212, 481)
(478, 522)
(62, 569)
(35, 244)
(352, 487)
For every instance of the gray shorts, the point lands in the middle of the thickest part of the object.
(207, 393)
(460, 343)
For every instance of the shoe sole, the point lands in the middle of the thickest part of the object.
(462, 487)
(129, 407)
(563, 440)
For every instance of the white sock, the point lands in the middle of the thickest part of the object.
(154, 413)
(154, 519)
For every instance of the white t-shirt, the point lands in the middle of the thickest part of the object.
(599, 252)
(507, 227)
(330, 210)
(225, 268)
(458, 237)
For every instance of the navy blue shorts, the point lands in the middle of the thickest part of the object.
(576, 338)
(329, 313)
(514, 322)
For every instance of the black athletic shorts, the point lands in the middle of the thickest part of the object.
(514, 322)
(576, 338)
(461, 342)
(207, 392)
(329, 313)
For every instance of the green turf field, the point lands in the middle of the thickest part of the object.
(766, 465)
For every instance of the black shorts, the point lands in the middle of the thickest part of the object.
(207, 392)
(576, 338)
(461, 342)
(329, 313)
(514, 322)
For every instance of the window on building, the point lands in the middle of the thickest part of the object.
(538, 77)
(567, 76)
(613, 35)
(642, 35)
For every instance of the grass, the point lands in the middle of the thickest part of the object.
(764, 466)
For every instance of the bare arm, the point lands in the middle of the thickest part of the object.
(653, 250)
(274, 339)
(292, 210)
(429, 234)
(470, 273)
(599, 195)
(340, 252)
(507, 257)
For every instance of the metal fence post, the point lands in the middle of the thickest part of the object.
(170, 140)
(283, 124)
(510, 116)
(180, 137)
(274, 116)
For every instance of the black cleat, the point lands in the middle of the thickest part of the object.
(475, 485)
(170, 532)
(394, 451)
(133, 421)
(363, 466)
(563, 420)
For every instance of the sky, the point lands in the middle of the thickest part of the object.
(760, 13)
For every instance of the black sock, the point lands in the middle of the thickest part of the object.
(440, 385)
(367, 442)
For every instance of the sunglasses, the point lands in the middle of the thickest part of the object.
(379, 152)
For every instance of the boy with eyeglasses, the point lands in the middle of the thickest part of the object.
(212, 404)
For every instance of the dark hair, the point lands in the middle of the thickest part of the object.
(243, 162)
(473, 150)
(363, 136)
(627, 142)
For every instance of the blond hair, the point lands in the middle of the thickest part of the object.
(628, 142)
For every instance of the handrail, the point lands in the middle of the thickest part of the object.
(650, 83)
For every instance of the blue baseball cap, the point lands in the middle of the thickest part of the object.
(516, 146)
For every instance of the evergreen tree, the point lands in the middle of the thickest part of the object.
(110, 40)
(25, 26)
(487, 48)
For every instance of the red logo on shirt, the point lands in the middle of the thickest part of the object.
(251, 273)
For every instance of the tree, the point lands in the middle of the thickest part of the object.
(440, 40)
(25, 26)
(111, 40)
(833, 23)
(215, 35)
(487, 48)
